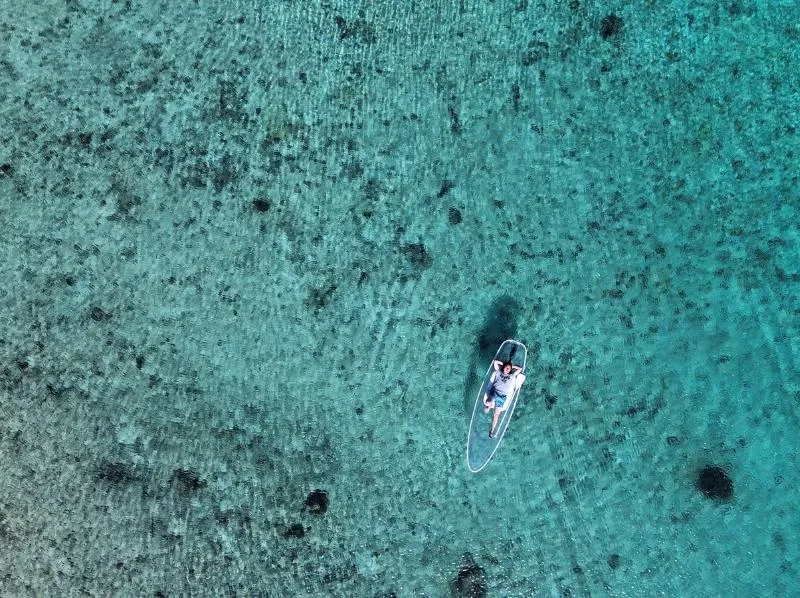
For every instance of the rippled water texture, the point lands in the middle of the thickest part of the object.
(256, 259)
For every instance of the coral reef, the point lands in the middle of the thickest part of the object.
(714, 483)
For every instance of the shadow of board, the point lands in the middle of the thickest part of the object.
(499, 324)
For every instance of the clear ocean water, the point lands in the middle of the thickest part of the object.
(256, 257)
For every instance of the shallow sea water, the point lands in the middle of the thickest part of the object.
(255, 251)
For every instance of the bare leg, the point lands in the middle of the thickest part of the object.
(487, 403)
(497, 413)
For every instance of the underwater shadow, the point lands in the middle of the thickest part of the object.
(499, 324)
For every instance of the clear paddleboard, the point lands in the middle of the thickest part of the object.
(481, 448)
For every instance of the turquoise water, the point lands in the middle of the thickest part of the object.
(256, 251)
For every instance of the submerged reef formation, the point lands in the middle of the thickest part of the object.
(611, 26)
(714, 483)
(296, 530)
(470, 581)
(317, 502)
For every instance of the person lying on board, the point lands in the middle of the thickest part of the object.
(502, 385)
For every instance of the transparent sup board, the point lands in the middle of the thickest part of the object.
(481, 448)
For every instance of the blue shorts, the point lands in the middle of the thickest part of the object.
(499, 400)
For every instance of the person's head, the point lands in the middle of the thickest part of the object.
(507, 367)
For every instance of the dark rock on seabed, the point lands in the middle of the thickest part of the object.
(417, 255)
(470, 581)
(187, 480)
(317, 502)
(295, 530)
(714, 483)
(611, 26)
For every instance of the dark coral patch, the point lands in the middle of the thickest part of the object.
(417, 255)
(318, 298)
(445, 188)
(470, 581)
(714, 483)
(455, 121)
(98, 314)
(317, 502)
(187, 480)
(115, 473)
(295, 530)
(611, 26)
(261, 204)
